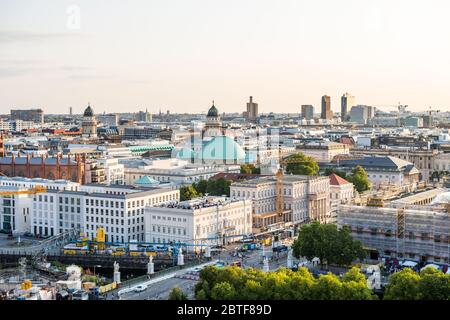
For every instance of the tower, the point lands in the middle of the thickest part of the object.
(2, 146)
(252, 110)
(347, 102)
(213, 125)
(89, 123)
(326, 108)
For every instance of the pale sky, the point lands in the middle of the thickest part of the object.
(181, 54)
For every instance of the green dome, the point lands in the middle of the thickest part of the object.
(146, 181)
(223, 148)
(88, 112)
(186, 153)
(213, 112)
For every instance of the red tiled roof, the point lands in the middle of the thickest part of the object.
(335, 180)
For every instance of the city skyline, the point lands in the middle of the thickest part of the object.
(179, 56)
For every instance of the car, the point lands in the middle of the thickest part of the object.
(140, 288)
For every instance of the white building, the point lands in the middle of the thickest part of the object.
(304, 198)
(323, 151)
(175, 171)
(67, 205)
(208, 220)
(114, 171)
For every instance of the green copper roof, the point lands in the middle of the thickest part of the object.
(146, 180)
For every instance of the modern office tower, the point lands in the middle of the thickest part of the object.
(307, 111)
(35, 115)
(428, 121)
(326, 108)
(361, 114)
(252, 110)
(347, 102)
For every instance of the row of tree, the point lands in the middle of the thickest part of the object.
(217, 187)
(233, 283)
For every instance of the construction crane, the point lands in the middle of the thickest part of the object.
(33, 190)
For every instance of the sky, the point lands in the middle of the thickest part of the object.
(179, 55)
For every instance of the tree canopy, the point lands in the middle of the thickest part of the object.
(328, 243)
(188, 193)
(360, 179)
(250, 168)
(252, 284)
(177, 294)
(299, 163)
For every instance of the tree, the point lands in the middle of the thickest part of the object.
(403, 285)
(188, 193)
(250, 168)
(223, 291)
(218, 187)
(299, 163)
(201, 186)
(327, 243)
(177, 294)
(434, 285)
(360, 179)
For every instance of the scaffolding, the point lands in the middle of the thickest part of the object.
(401, 230)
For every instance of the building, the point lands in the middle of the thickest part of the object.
(326, 108)
(304, 198)
(69, 168)
(428, 121)
(34, 115)
(89, 123)
(142, 116)
(2, 145)
(425, 160)
(347, 102)
(307, 112)
(361, 114)
(341, 192)
(414, 122)
(175, 171)
(109, 120)
(252, 110)
(384, 171)
(105, 171)
(207, 220)
(403, 229)
(213, 125)
(67, 206)
(323, 151)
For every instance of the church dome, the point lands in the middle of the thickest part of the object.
(223, 148)
(88, 112)
(213, 112)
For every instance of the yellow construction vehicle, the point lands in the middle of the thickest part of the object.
(27, 284)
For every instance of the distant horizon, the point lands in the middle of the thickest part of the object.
(180, 55)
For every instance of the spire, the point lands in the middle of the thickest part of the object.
(213, 103)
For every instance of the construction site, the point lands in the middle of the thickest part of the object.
(415, 227)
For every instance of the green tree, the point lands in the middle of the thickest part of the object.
(403, 285)
(201, 186)
(218, 187)
(434, 285)
(223, 291)
(188, 193)
(328, 287)
(360, 179)
(250, 168)
(328, 243)
(299, 163)
(177, 294)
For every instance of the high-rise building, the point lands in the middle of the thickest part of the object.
(252, 110)
(326, 108)
(347, 102)
(361, 114)
(35, 115)
(70, 111)
(307, 111)
(144, 116)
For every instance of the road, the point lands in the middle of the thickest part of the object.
(160, 290)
